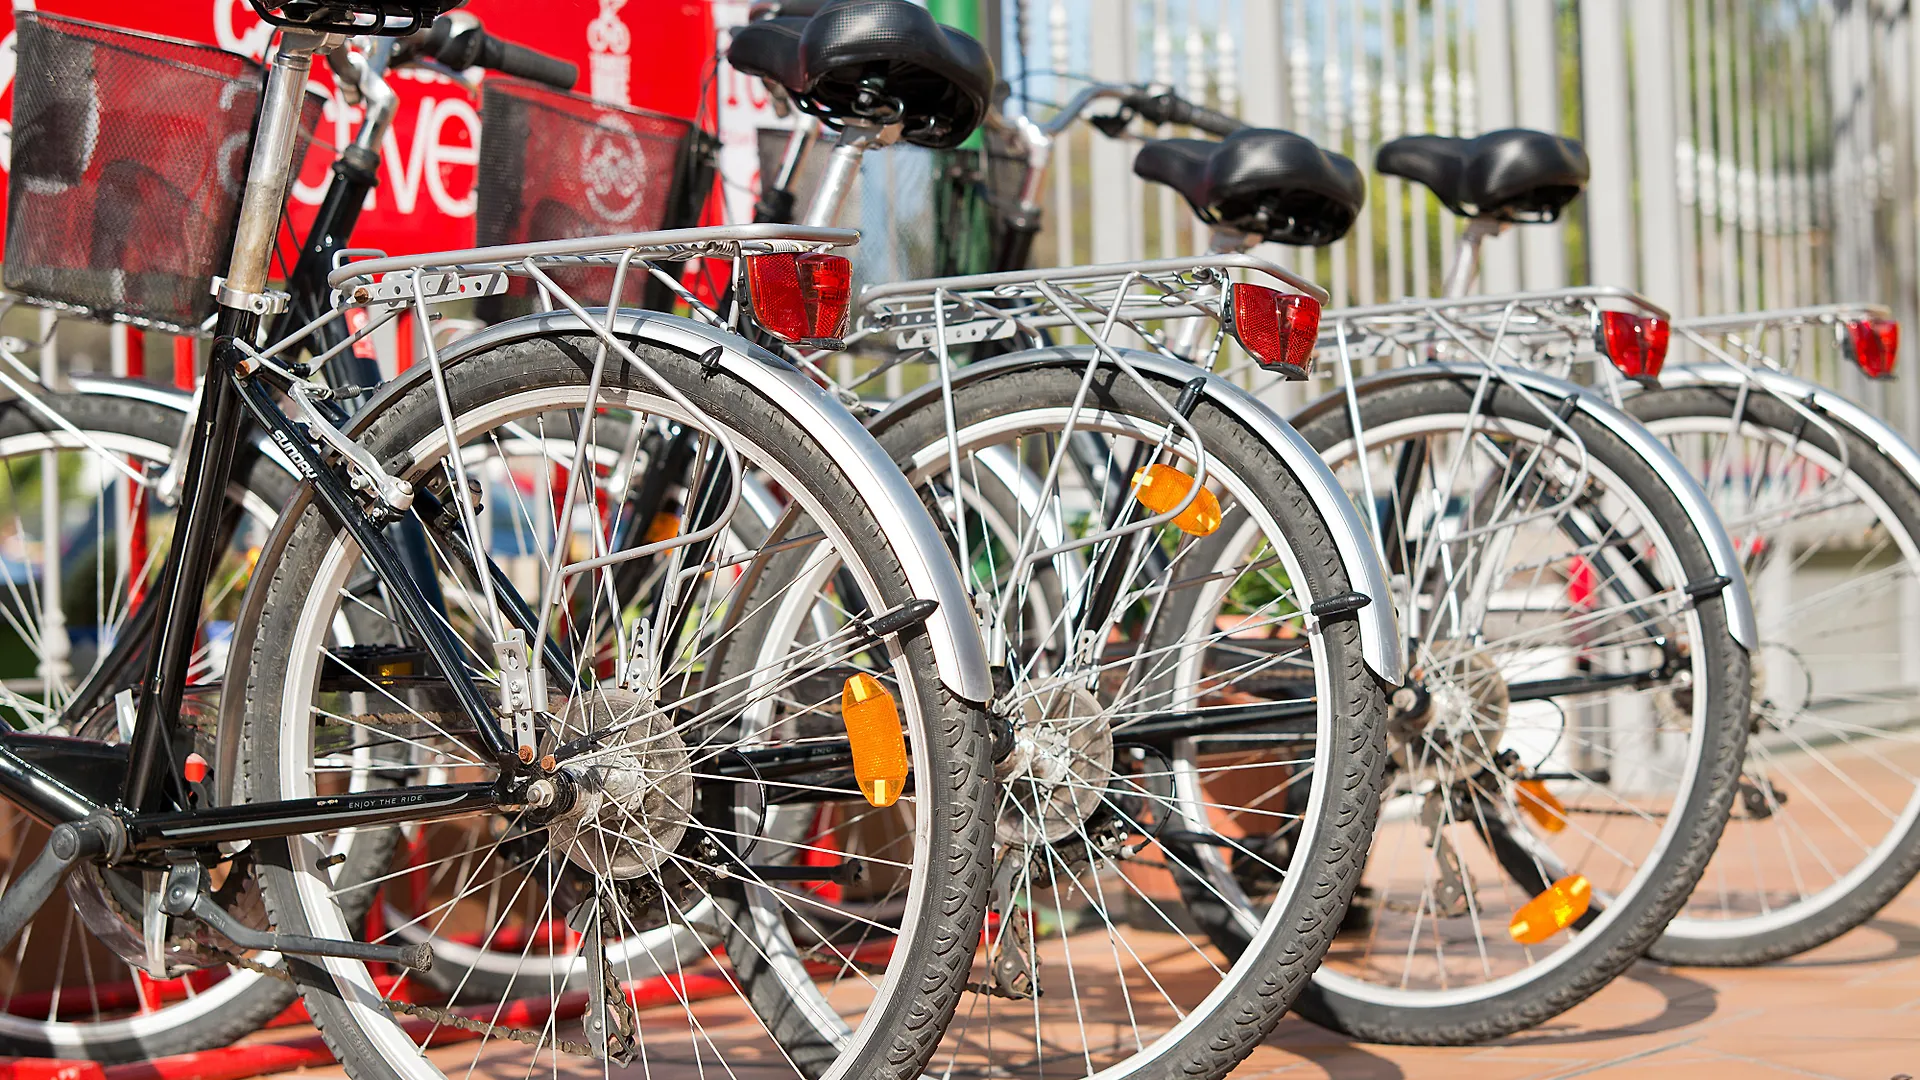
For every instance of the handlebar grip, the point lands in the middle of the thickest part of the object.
(461, 42)
(510, 59)
(1170, 108)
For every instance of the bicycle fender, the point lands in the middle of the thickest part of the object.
(952, 630)
(1672, 472)
(1379, 631)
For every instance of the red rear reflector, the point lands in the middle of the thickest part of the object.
(1873, 343)
(195, 768)
(801, 298)
(1279, 329)
(1637, 344)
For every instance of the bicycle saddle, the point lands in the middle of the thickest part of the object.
(770, 49)
(884, 61)
(1510, 175)
(1263, 181)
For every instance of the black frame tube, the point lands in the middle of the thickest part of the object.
(295, 817)
(189, 564)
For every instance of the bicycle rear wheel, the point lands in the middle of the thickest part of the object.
(1563, 759)
(1826, 826)
(709, 815)
(1114, 804)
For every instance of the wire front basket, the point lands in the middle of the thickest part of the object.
(559, 166)
(130, 153)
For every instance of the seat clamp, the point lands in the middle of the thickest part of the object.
(267, 302)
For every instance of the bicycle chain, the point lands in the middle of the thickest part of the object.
(442, 1017)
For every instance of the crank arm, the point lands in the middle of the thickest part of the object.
(70, 843)
(187, 897)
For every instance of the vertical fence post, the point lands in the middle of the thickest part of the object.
(1060, 57)
(1493, 76)
(1536, 50)
(1116, 233)
(1603, 88)
(1652, 24)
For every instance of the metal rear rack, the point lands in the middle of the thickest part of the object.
(1781, 338)
(928, 316)
(1550, 331)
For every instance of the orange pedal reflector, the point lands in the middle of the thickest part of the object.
(1552, 911)
(1540, 804)
(1161, 487)
(664, 526)
(873, 731)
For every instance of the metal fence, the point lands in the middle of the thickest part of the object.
(1746, 153)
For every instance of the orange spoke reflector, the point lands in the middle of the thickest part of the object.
(873, 731)
(1161, 487)
(1540, 804)
(664, 526)
(1552, 911)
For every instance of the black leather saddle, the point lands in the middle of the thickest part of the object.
(1263, 181)
(884, 61)
(1511, 175)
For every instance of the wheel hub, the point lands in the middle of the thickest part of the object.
(1461, 712)
(1061, 761)
(633, 795)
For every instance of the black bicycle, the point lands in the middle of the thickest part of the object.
(607, 778)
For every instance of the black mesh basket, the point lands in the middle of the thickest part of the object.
(129, 155)
(554, 166)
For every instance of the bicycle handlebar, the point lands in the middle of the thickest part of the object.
(459, 41)
(1168, 107)
(1153, 106)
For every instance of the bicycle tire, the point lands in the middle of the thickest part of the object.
(924, 974)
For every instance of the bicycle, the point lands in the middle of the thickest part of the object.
(1089, 492)
(139, 431)
(1553, 566)
(1790, 467)
(308, 772)
(1823, 831)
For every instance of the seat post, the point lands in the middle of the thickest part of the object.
(1466, 255)
(843, 167)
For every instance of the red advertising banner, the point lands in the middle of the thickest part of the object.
(650, 53)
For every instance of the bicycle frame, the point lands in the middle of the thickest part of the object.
(147, 815)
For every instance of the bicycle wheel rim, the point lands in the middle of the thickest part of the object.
(1193, 1013)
